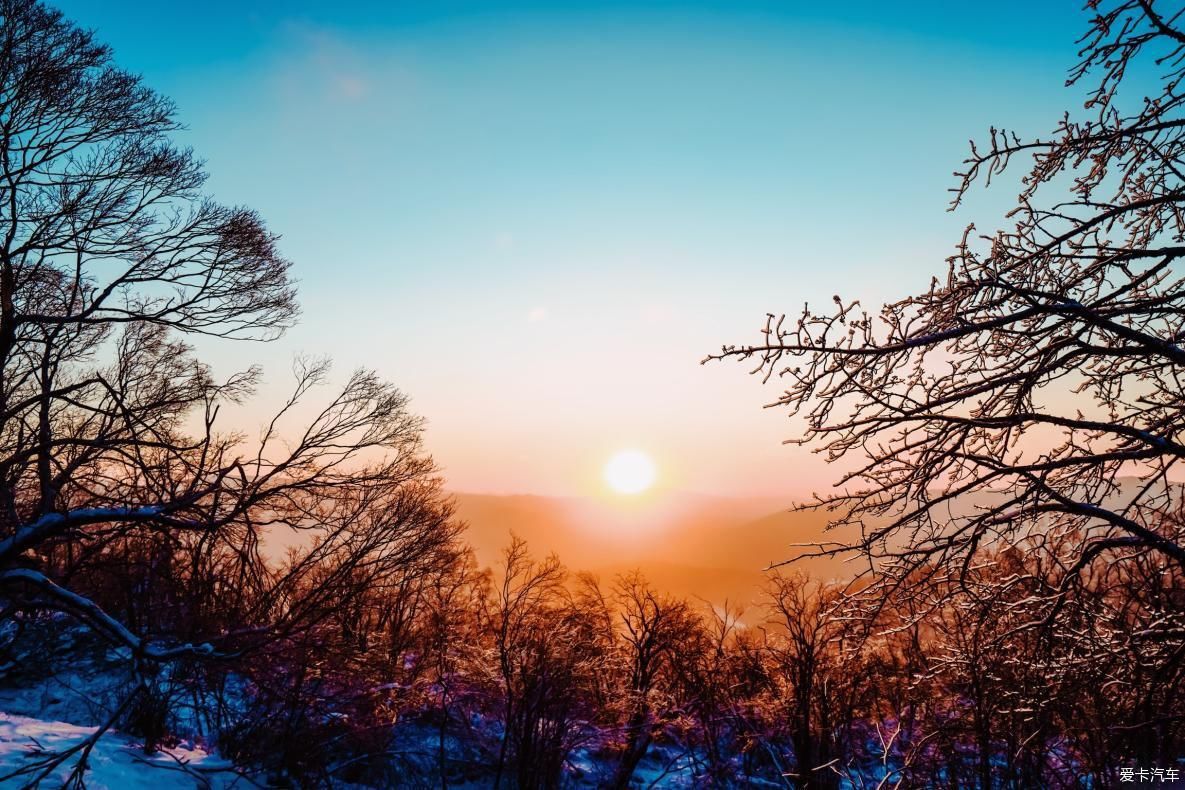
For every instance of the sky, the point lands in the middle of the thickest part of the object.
(537, 218)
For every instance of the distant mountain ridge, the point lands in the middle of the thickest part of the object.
(688, 544)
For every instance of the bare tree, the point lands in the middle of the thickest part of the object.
(654, 627)
(1033, 392)
(109, 255)
(804, 657)
(546, 666)
(453, 636)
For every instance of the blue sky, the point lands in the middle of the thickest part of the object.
(536, 218)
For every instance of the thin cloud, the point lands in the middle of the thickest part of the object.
(350, 87)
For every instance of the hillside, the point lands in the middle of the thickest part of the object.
(690, 545)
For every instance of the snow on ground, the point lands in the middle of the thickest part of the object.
(116, 763)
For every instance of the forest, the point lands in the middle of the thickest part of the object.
(298, 606)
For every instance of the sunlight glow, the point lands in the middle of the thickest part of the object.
(630, 472)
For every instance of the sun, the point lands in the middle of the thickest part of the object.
(630, 472)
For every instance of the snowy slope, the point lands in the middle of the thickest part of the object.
(116, 763)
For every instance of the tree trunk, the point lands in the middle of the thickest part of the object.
(637, 742)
